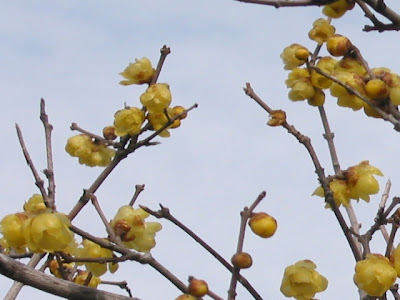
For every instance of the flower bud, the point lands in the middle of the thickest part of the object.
(263, 224)
(338, 45)
(186, 297)
(277, 118)
(109, 132)
(242, 260)
(197, 287)
(376, 89)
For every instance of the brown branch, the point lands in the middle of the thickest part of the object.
(292, 3)
(103, 218)
(120, 155)
(164, 212)
(49, 172)
(384, 10)
(49, 284)
(138, 189)
(388, 117)
(98, 138)
(18, 285)
(135, 256)
(164, 52)
(38, 181)
(244, 216)
(306, 142)
(328, 135)
(121, 284)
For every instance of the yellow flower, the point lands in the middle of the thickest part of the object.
(322, 31)
(82, 276)
(338, 8)
(4, 246)
(129, 224)
(350, 65)
(128, 121)
(358, 182)
(79, 145)
(361, 181)
(326, 64)
(138, 72)
(55, 268)
(35, 204)
(49, 232)
(300, 84)
(157, 97)
(345, 98)
(90, 153)
(302, 282)
(395, 258)
(392, 80)
(318, 99)
(374, 275)
(93, 250)
(158, 120)
(338, 45)
(289, 58)
(12, 228)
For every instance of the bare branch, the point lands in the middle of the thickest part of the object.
(49, 172)
(164, 52)
(50, 284)
(164, 212)
(38, 181)
(290, 3)
(306, 141)
(244, 216)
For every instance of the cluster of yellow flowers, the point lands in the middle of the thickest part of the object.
(93, 250)
(380, 86)
(357, 182)
(130, 121)
(155, 100)
(90, 152)
(37, 228)
(130, 226)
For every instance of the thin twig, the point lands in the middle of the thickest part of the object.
(121, 284)
(291, 3)
(245, 214)
(98, 138)
(318, 169)
(388, 117)
(164, 52)
(49, 172)
(119, 156)
(165, 213)
(133, 255)
(103, 218)
(38, 181)
(329, 135)
(138, 189)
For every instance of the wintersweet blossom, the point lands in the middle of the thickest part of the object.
(302, 282)
(374, 275)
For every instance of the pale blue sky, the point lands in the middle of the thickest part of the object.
(223, 155)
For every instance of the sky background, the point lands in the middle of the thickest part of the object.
(223, 155)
